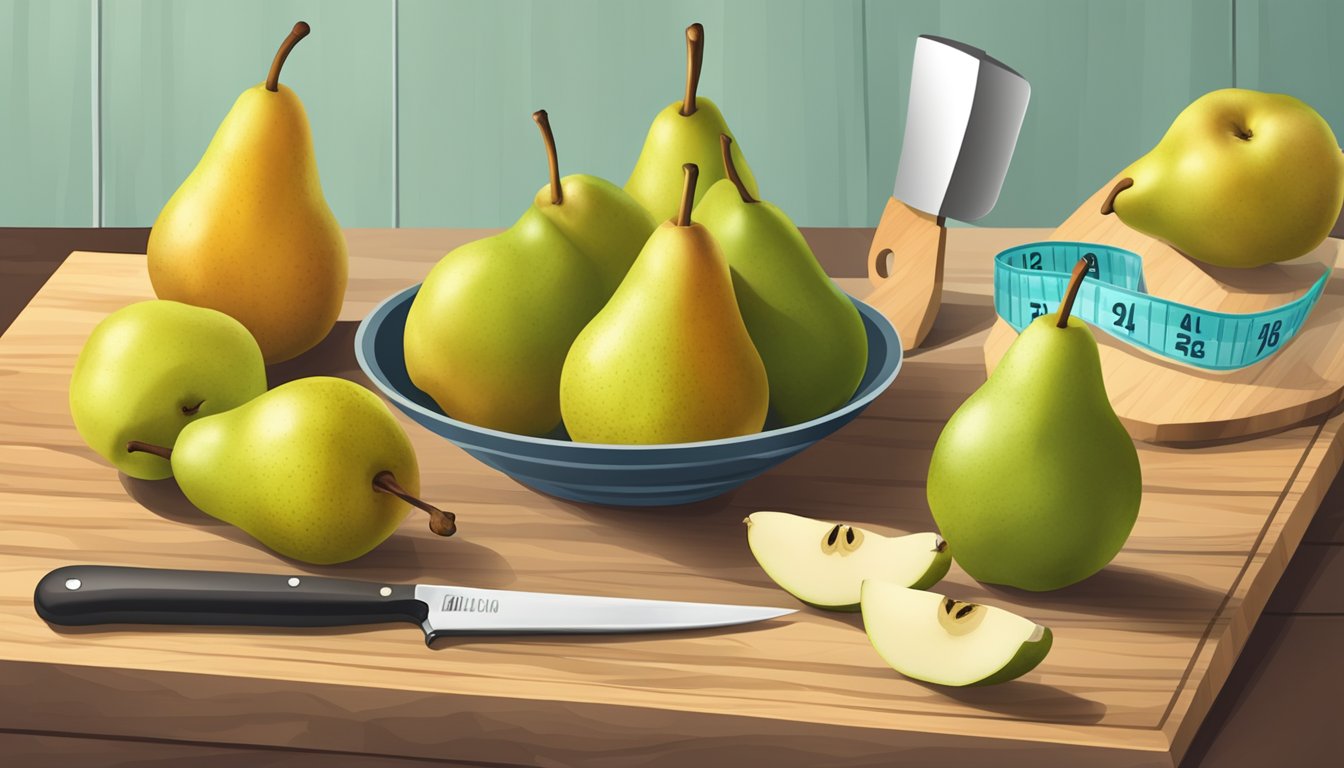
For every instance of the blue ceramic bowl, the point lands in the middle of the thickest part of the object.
(619, 475)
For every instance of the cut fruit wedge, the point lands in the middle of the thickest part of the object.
(929, 637)
(825, 564)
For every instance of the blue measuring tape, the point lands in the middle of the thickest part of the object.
(1029, 281)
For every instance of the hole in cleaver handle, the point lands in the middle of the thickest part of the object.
(905, 262)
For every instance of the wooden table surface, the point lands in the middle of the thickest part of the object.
(1289, 658)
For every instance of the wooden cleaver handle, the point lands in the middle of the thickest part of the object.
(905, 262)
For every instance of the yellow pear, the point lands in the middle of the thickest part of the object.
(249, 232)
(668, 359)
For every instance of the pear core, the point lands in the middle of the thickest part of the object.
(825, 564)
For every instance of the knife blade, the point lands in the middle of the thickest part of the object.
(80, 595)
(962, 121)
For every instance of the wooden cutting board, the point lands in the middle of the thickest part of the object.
(1140, 650)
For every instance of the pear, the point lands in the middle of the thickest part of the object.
(668, 359)
(1033, 481)
(808, 332)
(825, 564)
(687, 131)
(153, 367)
(929, 637)
(1241, 179)
(249, 232)
(316, 469)
(487, 333)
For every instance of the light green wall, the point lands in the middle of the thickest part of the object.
(814, 89)
(46, 108)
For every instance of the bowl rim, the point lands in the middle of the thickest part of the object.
(368, 362)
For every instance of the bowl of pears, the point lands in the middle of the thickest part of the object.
(597, 355)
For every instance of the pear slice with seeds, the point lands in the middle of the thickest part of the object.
(929, 637)
(824, 564)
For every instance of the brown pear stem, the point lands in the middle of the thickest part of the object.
(1075, 282)
(192, 410)
(688, 194)
(1108, 205)
(135, 446)
(695, 55)
(296, 34)
(726, 144)
(544, 122)
(441, 522)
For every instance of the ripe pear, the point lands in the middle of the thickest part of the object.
(1034, 482)
(316, 469)
(668, 359)
(929, 637)
(1241, 179)
(808, 332)
(487, 333)
(249, 232)
(825, 564)
(687, 131)
(151, 368)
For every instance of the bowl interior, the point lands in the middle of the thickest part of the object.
(379, 349)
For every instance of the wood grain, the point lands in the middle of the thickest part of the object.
(1162, 401)
(1141, 649)
(905, 262)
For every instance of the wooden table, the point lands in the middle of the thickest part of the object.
(1141, 650)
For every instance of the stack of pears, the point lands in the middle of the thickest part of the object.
(487, 333)
(250, 268)
(249, 232)
(317, 469)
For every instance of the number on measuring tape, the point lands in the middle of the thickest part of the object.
(1269, 334)
(1039, 308)
(1032, 260)
(1187, 325)
(1124, 315)
(1091, 259)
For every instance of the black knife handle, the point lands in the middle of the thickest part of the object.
(100, 594)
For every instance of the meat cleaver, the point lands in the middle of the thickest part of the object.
(961, 127)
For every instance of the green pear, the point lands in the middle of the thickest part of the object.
(825, 564)
(1034, 482)
(668, 359)
(929, 637)
(487, 334)
(317, 470)
(1242, 178)
(687, 131)
(249, 232)
(808, 332)
(151, 368)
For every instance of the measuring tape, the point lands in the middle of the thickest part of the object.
(1029, 281)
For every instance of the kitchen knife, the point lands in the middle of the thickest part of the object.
(961, 126)
(95, 594)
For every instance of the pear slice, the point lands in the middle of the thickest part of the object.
(929, 637)
(824, 564)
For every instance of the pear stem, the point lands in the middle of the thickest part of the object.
(296, 34)
(695, 54)
(1075, 282)
(441, 522)
(544, 122)
(726, 143)
(688, 194)
(135, 446)
(1108, 205)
